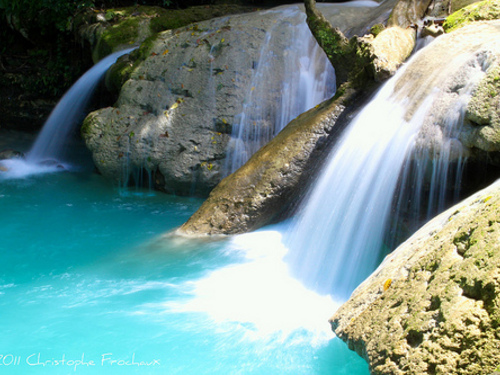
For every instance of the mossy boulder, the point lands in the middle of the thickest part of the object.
(433, 305)
(184, 90)
(480, 11)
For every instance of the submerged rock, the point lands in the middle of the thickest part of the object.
(433, 305)
(11, 154)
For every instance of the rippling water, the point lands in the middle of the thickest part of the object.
(90, 284)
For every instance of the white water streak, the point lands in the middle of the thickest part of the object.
(338, 239)
(68, 113)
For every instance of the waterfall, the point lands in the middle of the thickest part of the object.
(400, 148)
(282, 86)
(68, 113)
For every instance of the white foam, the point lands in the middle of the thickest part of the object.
(260, 292)
(20, 168)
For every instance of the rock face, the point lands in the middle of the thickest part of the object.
(432, 306)
(174, 115)
(483, 113)
(458, 65)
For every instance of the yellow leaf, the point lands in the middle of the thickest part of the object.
(165, 52)
(387, 284)
(222, 40)
(253, 88)
(224, 121)
(174, 106)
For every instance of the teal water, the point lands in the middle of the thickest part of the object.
(90, 284)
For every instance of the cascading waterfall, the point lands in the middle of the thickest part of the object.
(306, 79)
(68, 113)
(341, 232)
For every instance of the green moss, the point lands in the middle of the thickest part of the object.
(377, 29)
(85, 129)
(484, 10)
(125, 32)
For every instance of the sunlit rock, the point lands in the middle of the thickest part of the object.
(188, 88)
(432, 306)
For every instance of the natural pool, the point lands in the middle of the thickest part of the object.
(90, 284)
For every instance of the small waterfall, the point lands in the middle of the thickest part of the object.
(401, 148)
(68, 113)
(279, 93)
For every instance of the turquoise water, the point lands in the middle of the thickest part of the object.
(90, 284)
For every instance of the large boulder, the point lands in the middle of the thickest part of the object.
(185, 87)
(432, 306)
(174, 115)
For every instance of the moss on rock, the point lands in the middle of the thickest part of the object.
(440, 314)
(484, 10)
(114, 29)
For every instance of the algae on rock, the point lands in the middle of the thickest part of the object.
(440, 313)
(480, 11)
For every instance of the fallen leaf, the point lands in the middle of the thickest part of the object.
(387, 284)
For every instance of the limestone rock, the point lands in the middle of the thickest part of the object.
(391, 48)
(432, 306)
(174, 115)
(474, 62)
(259, 191)
(483, 112)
